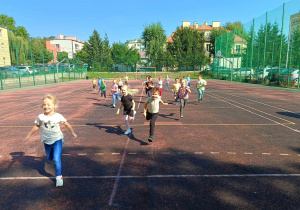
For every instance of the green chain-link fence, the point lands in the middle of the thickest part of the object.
(265, 50)
(31, 75)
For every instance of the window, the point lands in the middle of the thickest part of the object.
(57, 45)
(0, 32)
(207, 35)
(4, 61)
(2, 46)
(238, 48)
(207, 47)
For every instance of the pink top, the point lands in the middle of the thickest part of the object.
(114, 87)
(183, 93)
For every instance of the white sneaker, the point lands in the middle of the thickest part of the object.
(59, 181)
(128, 132)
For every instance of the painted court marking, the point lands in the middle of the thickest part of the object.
(226, 101)
(155, 176)
(116, 185)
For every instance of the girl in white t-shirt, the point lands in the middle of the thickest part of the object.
(51, 135)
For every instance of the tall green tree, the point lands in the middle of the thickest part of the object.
(188, 47)
(8, 22)
(295, 55)
(154, 40)
(18, 46)
(123, 55)
(39, 51)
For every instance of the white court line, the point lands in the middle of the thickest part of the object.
(156, 176)
(140, 98)
(114, 191)
(255, 113)
(259, 102)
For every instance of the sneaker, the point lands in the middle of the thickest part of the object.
(181, 116)
(113, 106)
(59, 181)
(150, 139)
(105, 99)
(128, 131)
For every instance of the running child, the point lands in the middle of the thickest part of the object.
(103, 89)
(129, 108)
(51, 135)
(159, 85)
(94, 83)
(188, 79)
(167, 81)
(151, 109)
(183, 94)
(201, 83)
(120, 84)
(99, 84)
(115, 92)
(126, 79)
(175, 89)
(149, 86)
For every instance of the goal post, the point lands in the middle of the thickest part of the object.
(136, 70)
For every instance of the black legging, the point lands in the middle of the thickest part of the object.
(152, 117)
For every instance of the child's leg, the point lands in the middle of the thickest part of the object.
(199, 94)
(160, 91)
(126, 121)
(114, 99)
(104, 92)
(49, 151)
(57, 149)
(152, 123)
(182, 105)
(149, 92)
(202, 94)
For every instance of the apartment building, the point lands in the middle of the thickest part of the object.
(69, 44)
(137, 44)
(4, 48)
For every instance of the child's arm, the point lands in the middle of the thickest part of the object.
(118, 111)
(33, 130)
(145, 110)
(163, 102)
(133, 105)
(189, 90)
(69, 127)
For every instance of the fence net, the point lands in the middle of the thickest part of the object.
(265, 50)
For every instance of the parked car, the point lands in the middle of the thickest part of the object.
(293, 75)
(243, 72)
(40, 67)
(11, 71)
(27, 69)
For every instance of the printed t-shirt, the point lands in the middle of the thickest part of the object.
(50, 129)
(184, 94)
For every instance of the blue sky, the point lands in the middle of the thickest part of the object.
(124, 20)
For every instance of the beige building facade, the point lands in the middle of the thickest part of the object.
(4, 48)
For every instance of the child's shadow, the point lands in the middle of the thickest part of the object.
(132, 137)
(36, 163)
(169, 116)
(109, 129)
